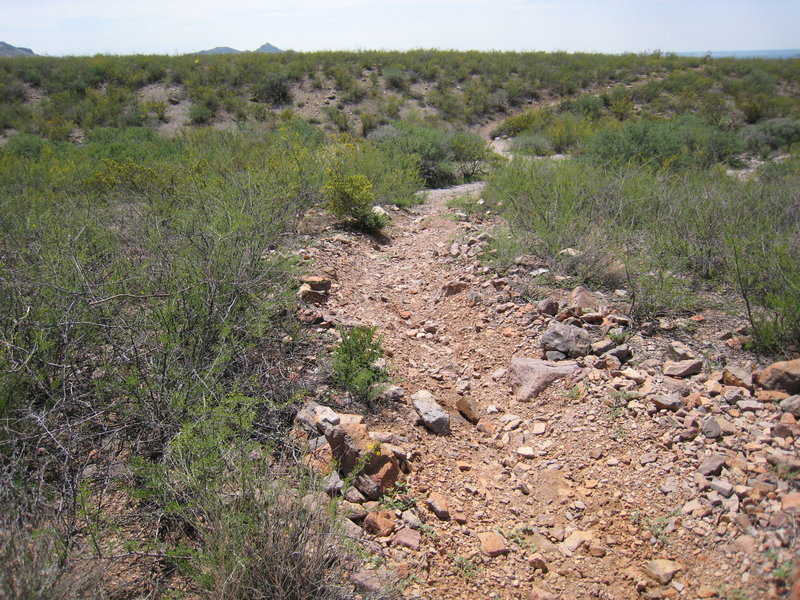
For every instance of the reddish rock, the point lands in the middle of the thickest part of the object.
(492, 544)
(738, 376)
(439, 505)
(352, 446)
(318, 284)
(407, 538)
(469, 408)
(791, 502)
(683, 368)
(784, 376)
(380, 523)
(309, 295)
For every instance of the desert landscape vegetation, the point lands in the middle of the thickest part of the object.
(424, 324)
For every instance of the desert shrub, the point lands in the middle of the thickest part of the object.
(35, 566)
(534, 120)
(369, 122)
(11, 91)
(395, 78)
(536, 144)
(588, 105)
(338, 117)
(231, 554)
(429, 146)
(135, 143)
(200, 114)
(394, 176)
(773, 134)
(354, 363)
(351, 196)
(26, 145)
(677, 143)
(471, 154)
(274, 88)
(160, 271)
(665, 233)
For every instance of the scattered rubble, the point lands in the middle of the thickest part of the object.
(629, 464)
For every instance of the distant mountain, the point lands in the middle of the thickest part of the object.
(746, 53)
(227, 50)
(221, 50)
(268, 48)
(7, 50)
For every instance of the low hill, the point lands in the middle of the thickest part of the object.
(221, 50)
(268, 48)
(7, 50)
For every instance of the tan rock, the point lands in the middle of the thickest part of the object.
(791, 501)
(439, 505)
(469, 408)
(575, 540)
(784, 376)
(407, 538)
(582, 298)
(492, 543)
(707, 592)
(662, 570)
(310, 296)
(316, 283)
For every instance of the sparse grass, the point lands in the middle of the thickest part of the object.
(656, 525)
(464, 566)
(398, 498)
(520, 536)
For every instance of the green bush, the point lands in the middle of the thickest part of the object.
(25, 145)
(351, 196)
(773, 134)
(536, 144)
(678, 143)
(429, 146)
(471, 154)
(200, 114)
(664, 233)
(354, 363)
(274, 88)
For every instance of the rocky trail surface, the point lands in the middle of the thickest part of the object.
(547, 448)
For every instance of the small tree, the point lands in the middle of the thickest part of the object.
(470, 153)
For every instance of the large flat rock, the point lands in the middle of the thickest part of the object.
(530, 376)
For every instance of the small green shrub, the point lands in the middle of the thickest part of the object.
(274, 88)
(200, 114)
(773, 134)
(26, 145)
(679, 143)
(351, 196)
(535, 144)
(354, 363)
(471, 154)
(338, 117)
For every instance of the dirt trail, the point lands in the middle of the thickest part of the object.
(583, 495)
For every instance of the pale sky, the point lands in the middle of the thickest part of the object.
(81, 27)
